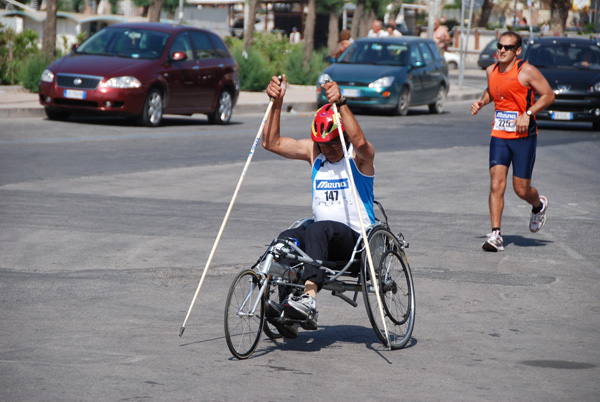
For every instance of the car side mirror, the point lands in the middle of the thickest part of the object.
(179, 56)
(330, 59)
(74, 47)
(418, 64)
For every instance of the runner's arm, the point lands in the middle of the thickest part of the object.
(486, 97)
(364, 153)
(272, 141)
(531, 77)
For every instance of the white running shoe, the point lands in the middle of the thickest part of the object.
(302, 308)
(494, 242)
(536, 222)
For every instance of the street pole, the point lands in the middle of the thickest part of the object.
(461, 44)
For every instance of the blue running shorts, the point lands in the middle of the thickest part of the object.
(519, 151)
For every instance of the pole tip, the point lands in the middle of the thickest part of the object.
(181, 331)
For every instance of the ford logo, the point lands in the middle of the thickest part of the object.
(77, 81)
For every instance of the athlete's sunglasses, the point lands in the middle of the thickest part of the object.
(507, 47)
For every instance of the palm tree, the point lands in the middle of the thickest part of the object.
(49, 39)
(559, 11)
(154, 10)
(309, 31)
(249, 19)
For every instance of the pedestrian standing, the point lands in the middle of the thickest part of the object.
(295, 36)
(512, 84)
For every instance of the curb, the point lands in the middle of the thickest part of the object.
(259, 107)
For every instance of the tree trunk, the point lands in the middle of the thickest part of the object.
(154, 11)
(334, 29)
(249, 20)
(559, 11)
(396, 7)
(49, 40)
(309, 31)
(356, 17)
(486, 11)
(366, 23)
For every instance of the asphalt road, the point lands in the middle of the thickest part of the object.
(105, 230)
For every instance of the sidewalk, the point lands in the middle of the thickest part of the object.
(17, 102)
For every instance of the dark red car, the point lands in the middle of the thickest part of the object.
(144, 70)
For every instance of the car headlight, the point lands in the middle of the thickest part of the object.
(47, 76)
(383, 82)
(596, 87)
(123, 82)
(323, 79)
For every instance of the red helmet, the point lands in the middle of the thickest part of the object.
(324, 127)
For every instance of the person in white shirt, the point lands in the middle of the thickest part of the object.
(376, 31)
(295, 36)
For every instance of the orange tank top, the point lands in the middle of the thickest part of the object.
(511, 99)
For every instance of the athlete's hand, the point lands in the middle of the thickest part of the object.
(332, 91)
(276, 88)
(476, 106)
(522, 123)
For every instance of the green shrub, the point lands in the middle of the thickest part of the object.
(270, 55)
(14, 48)
(255, 74)
(295, 71)
(31, 72)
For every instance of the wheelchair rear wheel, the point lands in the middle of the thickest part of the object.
(243, 326)
(396, 289)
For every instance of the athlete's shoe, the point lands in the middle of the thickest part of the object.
(302, 307)
(273, 313)
(494, 242)
(536, 222)
(273, 309)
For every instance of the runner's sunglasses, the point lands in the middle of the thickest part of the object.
(507, 47)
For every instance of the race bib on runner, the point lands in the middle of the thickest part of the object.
(504, 121)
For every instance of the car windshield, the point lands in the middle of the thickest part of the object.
(389, 54)
(565, 56)
(125, 42)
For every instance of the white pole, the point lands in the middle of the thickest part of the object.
(462, 44)
(362, 225)
(235, 193)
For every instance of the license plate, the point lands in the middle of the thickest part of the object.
(350, 92)
(74, 94)
(562, 116)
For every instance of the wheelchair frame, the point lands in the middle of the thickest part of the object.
(281, 265)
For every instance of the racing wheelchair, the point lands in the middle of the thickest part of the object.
(278, 271)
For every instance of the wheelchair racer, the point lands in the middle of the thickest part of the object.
(336, 227)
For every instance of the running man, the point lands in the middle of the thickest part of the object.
(511, 86)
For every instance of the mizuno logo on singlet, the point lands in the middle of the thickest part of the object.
(340, 184)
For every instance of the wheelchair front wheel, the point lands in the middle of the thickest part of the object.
(242, 325)
(272, 293)
(396, 290)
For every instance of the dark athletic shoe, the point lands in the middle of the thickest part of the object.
(302, 308)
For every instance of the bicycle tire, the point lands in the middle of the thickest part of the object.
(396, 289)
(272, 293)
(242, 328)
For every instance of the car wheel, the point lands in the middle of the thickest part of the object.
(153, 109)
(222, 113)
(437, 107)
(452, 65)
(403, 101)
(56, 115)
